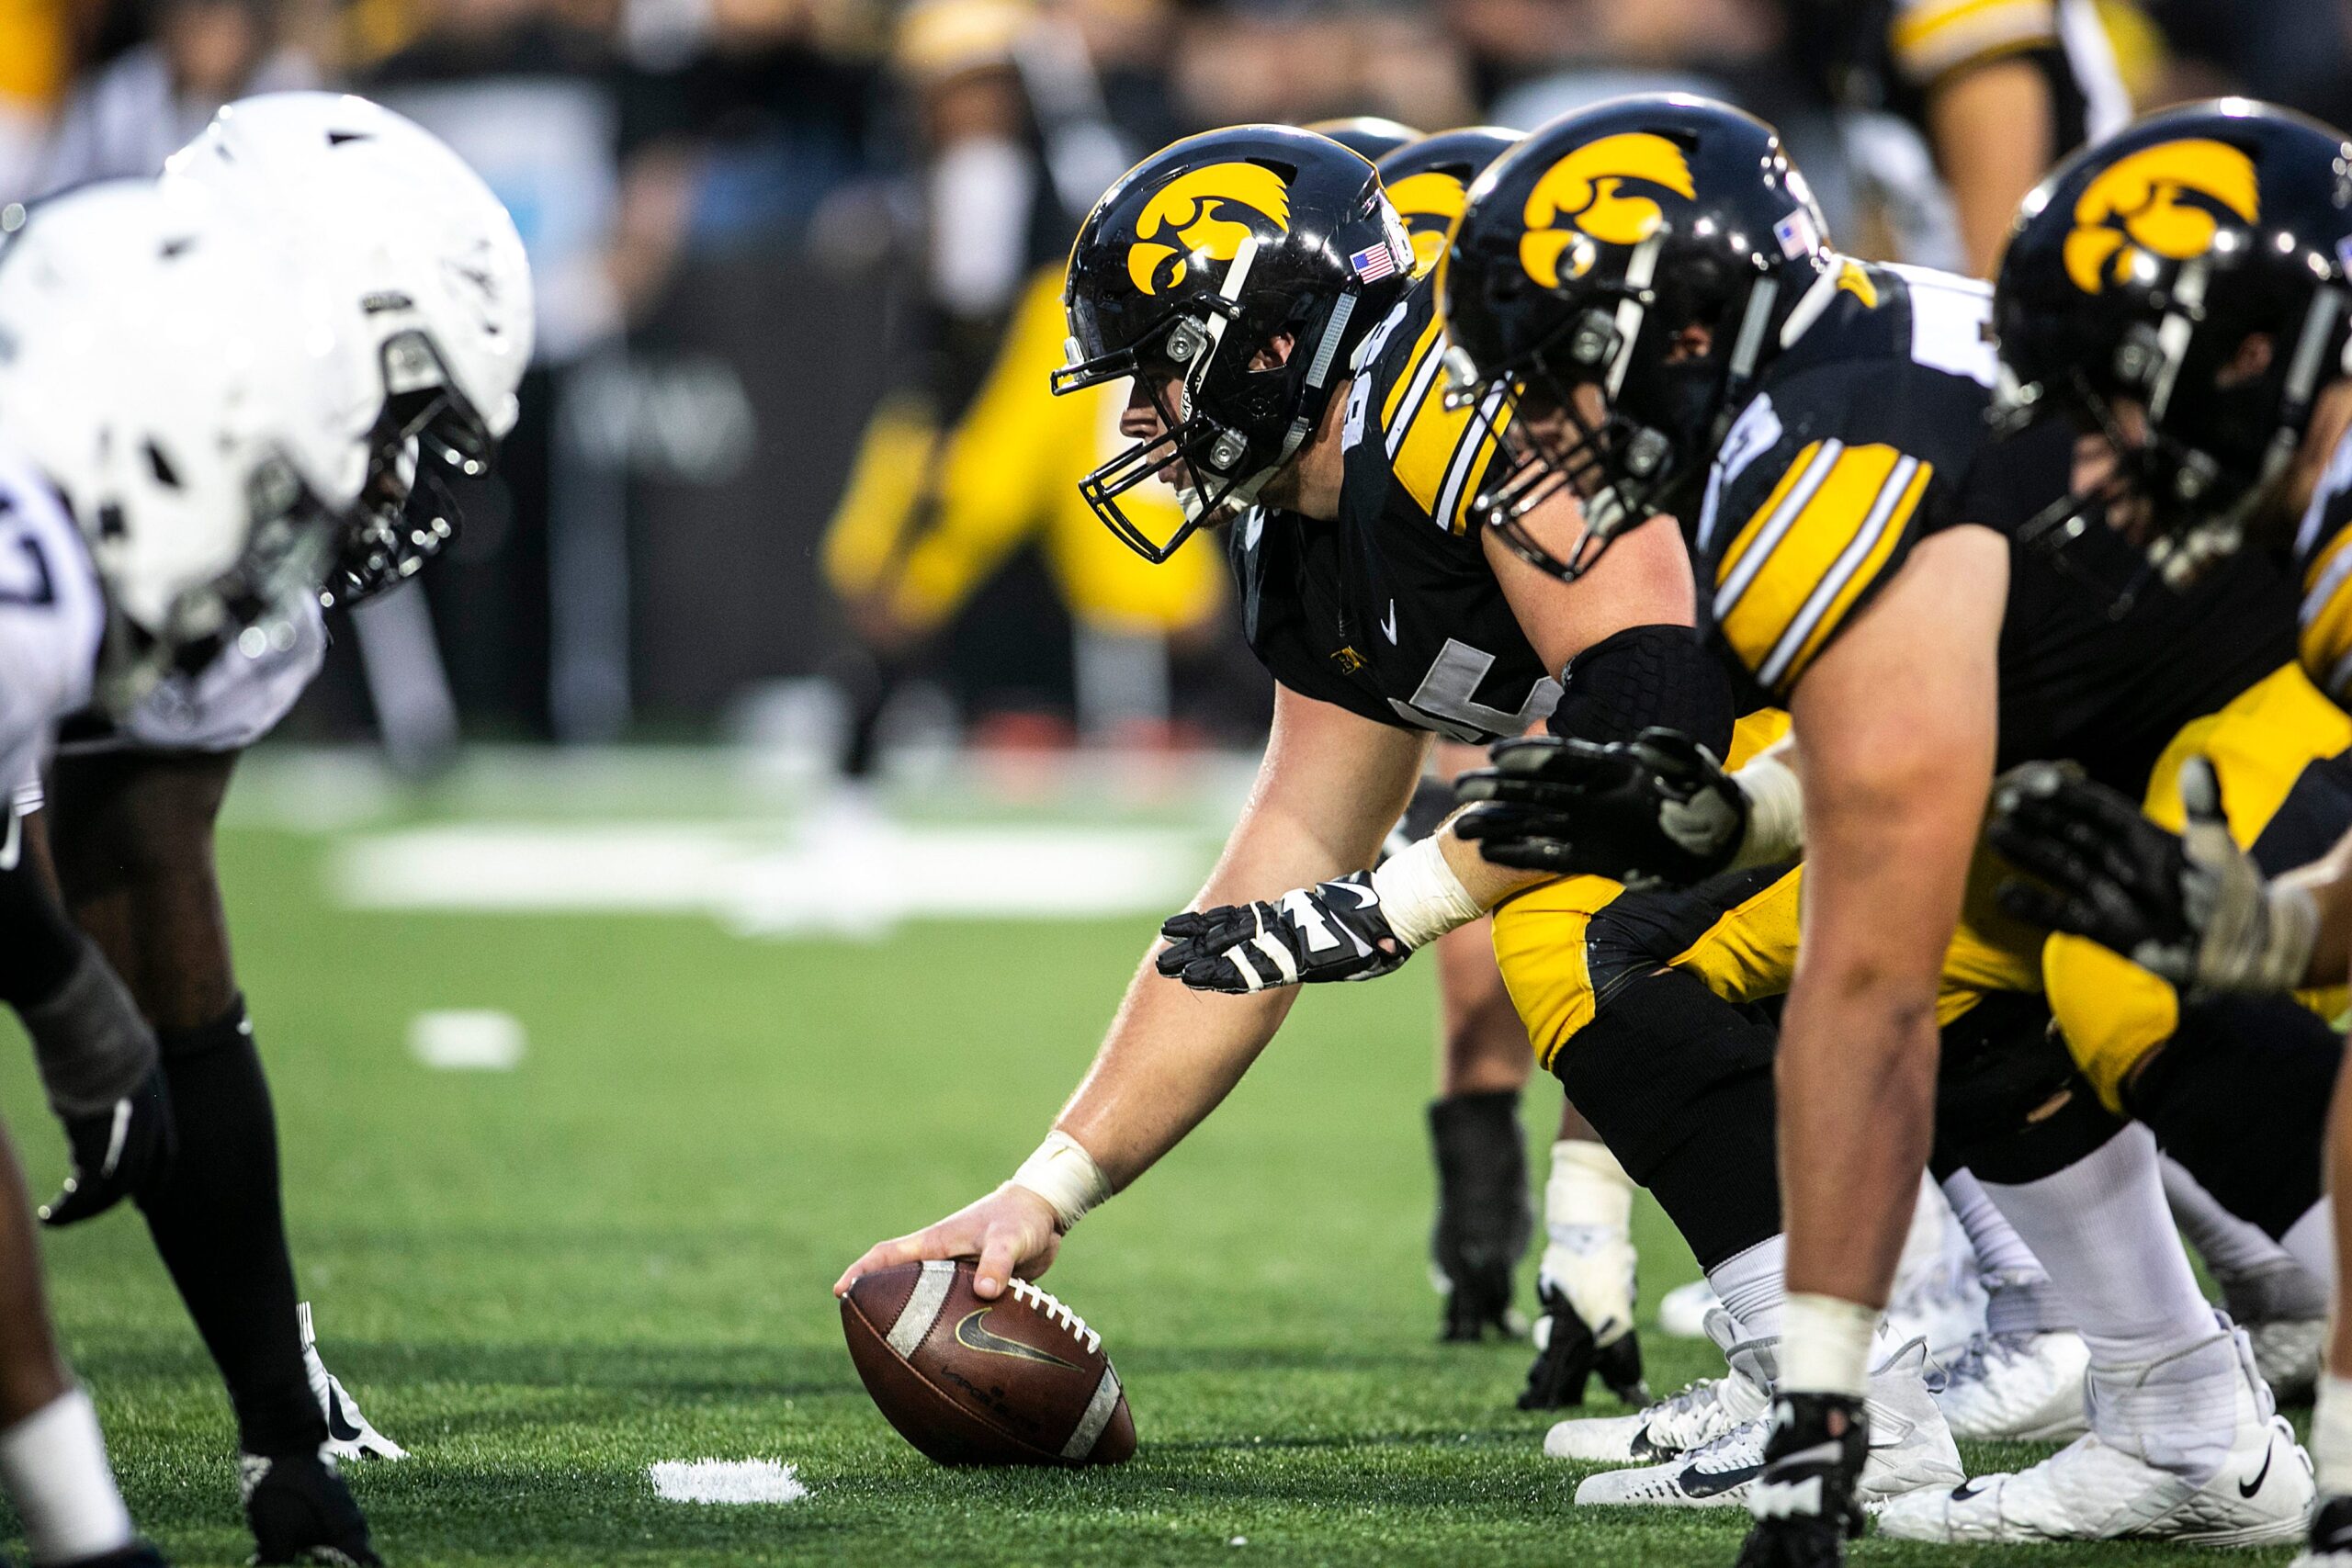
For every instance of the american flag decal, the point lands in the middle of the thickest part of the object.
(1372, 263)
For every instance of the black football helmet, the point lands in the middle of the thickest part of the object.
(1196, 261)
(2192, 267)
(1429, 180)
(1369, 136)
(1583, 257)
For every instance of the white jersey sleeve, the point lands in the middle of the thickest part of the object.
(234, 701)
(51, 617)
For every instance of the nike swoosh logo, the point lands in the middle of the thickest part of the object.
(1365, 898)
(1966, 1490)
(1388, 627)
(1697, 1482)
(2248, 1488)
(339, 1425)
(974, 1336)
(12, 849)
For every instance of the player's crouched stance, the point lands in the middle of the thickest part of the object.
(182, 395)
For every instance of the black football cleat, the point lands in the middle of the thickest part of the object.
(1804, 1502)
(1484, 1217)
(1567, 1357)
(124, 1151)
(300, 1511)
(2329, 1545)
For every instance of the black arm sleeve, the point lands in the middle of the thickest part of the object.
(1646, 676)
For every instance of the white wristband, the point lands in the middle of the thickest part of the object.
(1419, 895)
(1775, 813)
(1066, 1176)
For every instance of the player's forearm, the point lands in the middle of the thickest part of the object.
(1995, 136)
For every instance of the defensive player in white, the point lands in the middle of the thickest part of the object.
(174, 388)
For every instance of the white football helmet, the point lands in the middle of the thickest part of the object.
(196, 404)
(391, 215)
(392, 218)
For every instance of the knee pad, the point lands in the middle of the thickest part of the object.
(2239, 1096)
(1679, 1084)
(1646, 676)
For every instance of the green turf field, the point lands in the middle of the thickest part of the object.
(544, 1281)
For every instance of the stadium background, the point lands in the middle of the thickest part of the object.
(628, 909)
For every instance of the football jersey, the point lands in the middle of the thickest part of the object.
(1866, 434)
(52, 619)
(2324, 555)
(1391, 610)
(230, 704)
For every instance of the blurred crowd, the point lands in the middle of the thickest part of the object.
(788, 430)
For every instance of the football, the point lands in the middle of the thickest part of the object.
(1020, 1380)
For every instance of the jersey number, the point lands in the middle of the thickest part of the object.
(1445, 701)
(32, 585)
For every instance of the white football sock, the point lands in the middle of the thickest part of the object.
(1587, 1199)
(1999, 1248)
(2227, 1244)
(2311, 1241)
(53, 1467)
(2103, 1234)
(1928, 1243)
(1752, 1284)
(2331, 1444)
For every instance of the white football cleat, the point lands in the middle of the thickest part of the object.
(2283, 1309)
(350, 1435)
(2023, 1388)
(1682, 1311)
(1941, 1304)
(2095, 1490)
(2022, 1379)
(1910, 1448)
(1680, 1422)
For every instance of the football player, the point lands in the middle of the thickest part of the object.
(391, 222)
(1251, 286)
(175, 388)
(1828, 447)
(1483, 1221)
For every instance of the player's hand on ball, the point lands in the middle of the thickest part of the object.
(1656, 809)
(1333, 930)
(1011, 1232)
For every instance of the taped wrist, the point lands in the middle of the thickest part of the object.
(1419, 896)
(90, 1043)
(1775, 813)
(1644, 677)
(1066, 1176)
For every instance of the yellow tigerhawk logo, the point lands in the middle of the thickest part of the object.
(1588, 187)
(1192, 209)
(2163, 200)
(1428, 203)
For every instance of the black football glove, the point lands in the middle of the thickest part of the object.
(1333, 930)
(1656, 810)
(2190, 906)
(124, 1151)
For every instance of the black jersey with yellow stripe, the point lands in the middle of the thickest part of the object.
(2324, 562)
(1390, 610)
(1865, 435)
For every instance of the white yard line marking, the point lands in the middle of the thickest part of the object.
(480, 1039)
(727, 1481)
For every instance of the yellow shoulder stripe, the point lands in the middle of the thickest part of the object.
(1942, 35)
(2324, 633)
(1811, 553)
(1412, 385)
(1440, 455)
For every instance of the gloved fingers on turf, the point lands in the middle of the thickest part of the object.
(123, 1151)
